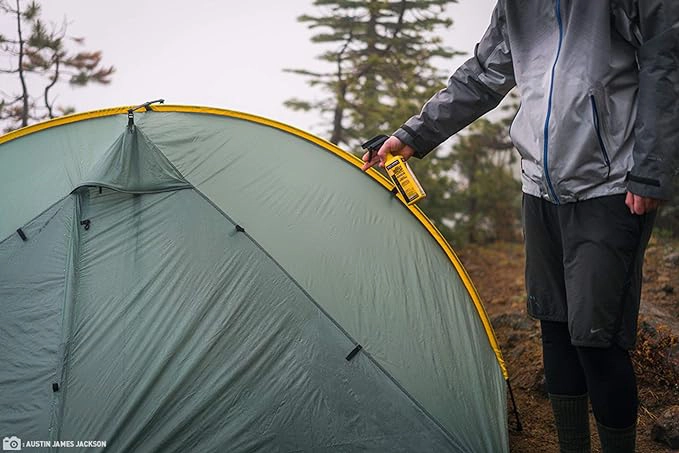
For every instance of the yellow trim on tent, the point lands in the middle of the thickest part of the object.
(309, 137)
(73, 118)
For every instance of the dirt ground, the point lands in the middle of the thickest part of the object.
(497, 272)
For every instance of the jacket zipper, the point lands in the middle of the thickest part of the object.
(545, 154)
(597, 128)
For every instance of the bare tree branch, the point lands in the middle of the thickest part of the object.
(55, 78)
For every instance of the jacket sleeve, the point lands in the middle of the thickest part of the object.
(653, 27)
(475, 88)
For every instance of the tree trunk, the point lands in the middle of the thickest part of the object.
(337, 129)
(47, 88)
(24, 88)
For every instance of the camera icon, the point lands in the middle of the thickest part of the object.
(12, 443)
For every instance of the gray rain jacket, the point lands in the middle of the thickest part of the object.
(599, 87)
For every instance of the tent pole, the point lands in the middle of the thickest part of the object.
(519, 426)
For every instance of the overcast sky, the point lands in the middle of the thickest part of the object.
(219, 53)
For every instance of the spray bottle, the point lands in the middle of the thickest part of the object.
(398, 170)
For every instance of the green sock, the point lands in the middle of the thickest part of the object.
(571, 414)
(615, 440)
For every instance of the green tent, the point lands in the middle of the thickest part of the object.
(184, 279)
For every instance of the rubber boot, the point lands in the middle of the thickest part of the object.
(614, 440)
(571, 414)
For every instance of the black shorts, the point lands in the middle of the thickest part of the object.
(583, 266)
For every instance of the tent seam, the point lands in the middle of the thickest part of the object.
(40, 214)
(70, 288)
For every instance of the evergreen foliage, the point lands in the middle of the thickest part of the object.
(39, 57)
(383, 57)
(486, 201)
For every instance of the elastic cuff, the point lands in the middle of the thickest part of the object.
(642, 180)
(410, 138)
(647, 187)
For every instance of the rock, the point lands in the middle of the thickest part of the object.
(540, 384)
(516, 321)
(668, 289)
(666, 428)
(512, 340)
(672, 259)
(662, 279)
(647, 328)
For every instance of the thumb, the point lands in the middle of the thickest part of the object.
(391, 146)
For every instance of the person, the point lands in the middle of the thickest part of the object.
(597, 131)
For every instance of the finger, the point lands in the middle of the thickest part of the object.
(382, 153)
(649, 204)
(370, 164)
(634, 204)
(645, 205)
(639, 205)
(391, 146)
(629, 201)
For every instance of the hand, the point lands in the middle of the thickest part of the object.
(392, 146)
(640, 205)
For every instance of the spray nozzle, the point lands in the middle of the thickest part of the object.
(374, 144)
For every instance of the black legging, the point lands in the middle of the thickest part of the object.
(605, 373)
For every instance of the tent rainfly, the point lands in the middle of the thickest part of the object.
(194, 279)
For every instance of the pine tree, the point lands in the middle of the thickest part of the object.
(40, 60)
(381, 59)
(383, 55)
(485, 198)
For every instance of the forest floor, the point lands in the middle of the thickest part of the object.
(497, 272)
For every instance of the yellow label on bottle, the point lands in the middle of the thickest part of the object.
(404, 179)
